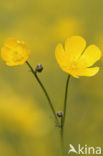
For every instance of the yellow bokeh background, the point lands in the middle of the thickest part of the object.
(26, 122)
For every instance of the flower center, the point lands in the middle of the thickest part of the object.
(16, 52)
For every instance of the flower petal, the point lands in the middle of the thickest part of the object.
(81, 72)
(11, 43)
(91, 55)
(70, 71)
(60, 54)
(6, 53)
(74, 47)
(88, 71)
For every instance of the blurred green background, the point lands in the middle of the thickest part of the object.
(26, 122)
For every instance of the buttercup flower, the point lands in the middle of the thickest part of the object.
(77, 60)
(14, 52)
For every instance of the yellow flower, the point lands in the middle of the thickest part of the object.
(77, 60)
(14, 52)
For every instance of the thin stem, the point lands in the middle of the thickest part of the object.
(64, 111)
(65, 99)
(44, 90)
(61, 131)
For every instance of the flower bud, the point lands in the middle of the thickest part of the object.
(39, 68)
(60, 114)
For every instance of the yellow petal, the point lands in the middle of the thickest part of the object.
(11, 43)
(74, 47)
(88, 71)
(60, 54)
(14, 63)
(76, 72)
(6, 53)
(91, 55)
(70, 70)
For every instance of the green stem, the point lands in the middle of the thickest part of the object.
(44, 90)
(65, 100)
(64, 111)
(61, 132)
